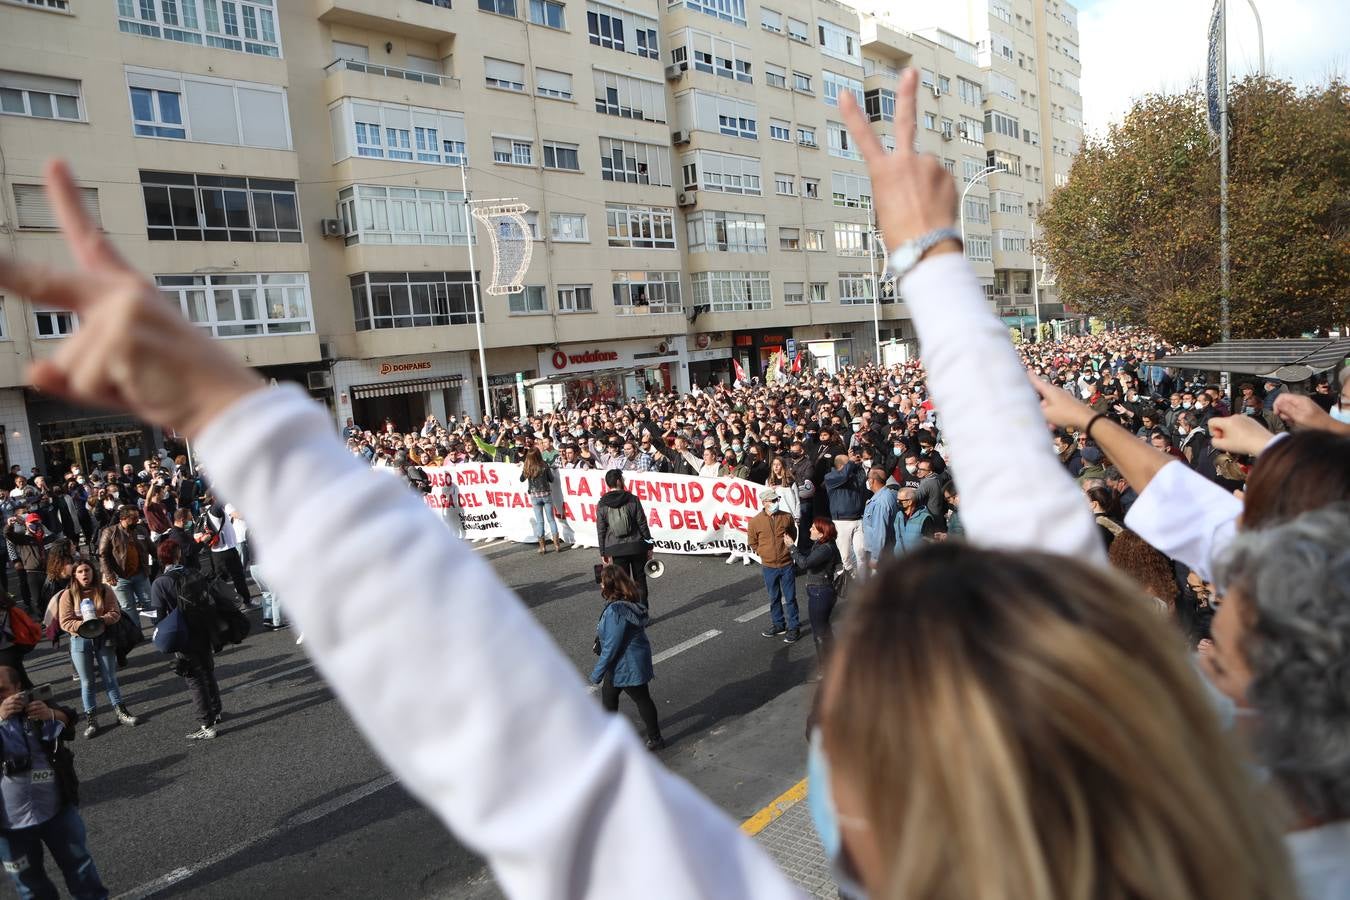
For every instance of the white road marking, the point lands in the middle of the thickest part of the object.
(182, 873)
(678, 648)
(753, 614)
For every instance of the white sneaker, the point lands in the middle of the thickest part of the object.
(205, 733)
(745, 561)
(300, 640)
(731, 559)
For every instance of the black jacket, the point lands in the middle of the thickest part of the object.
(819, 563)
(638, 537)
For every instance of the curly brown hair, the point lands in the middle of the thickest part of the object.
(1131, 554)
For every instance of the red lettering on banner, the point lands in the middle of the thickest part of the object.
(588, 513)
(730, 520)
(654, 517)
(469, 501)
(695, 492)
(581, 487)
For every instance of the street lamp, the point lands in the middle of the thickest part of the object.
(988, 170)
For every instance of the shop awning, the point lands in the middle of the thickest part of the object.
(414, 386)
(1286, 360)
(564, 377)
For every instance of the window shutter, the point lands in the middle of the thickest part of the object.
(503, 70)
(210, 112)
(342, 50)
(264, 118)
(21, 81)
(548, 80)
(30, 201)
(155, 82)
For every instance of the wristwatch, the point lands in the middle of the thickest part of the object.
(908, 254)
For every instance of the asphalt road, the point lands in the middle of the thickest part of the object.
(289, 801)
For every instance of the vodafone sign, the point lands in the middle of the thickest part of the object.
(587, 359)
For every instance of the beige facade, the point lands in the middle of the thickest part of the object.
(290, 172)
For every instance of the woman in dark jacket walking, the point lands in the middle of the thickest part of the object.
(625, 662)
(539, 484)
(819, 565)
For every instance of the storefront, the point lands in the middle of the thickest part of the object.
(64, 435)
(611, 372)
(507, 393)
(403, 390)
(755, 349)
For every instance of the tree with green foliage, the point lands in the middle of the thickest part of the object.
(1133, 237)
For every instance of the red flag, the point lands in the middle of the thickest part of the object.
(797, 363)
(782, 366)
(737, 370)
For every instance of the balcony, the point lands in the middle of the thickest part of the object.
(369, 68)
(417, 19)
(372, 81)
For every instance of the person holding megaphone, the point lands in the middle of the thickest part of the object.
(85, 610)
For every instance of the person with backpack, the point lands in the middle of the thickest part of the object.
(625, 654)
(221, 536)
(207, 615)
(621, 526)
(86, 592)
(824, 570)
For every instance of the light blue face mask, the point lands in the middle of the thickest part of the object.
(1340, 413)
(826, 818)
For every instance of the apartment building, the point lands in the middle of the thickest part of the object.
(293, 175)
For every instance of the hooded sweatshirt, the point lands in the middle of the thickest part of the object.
(621, 525)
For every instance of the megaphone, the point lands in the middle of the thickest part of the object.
(655, 568)
(91, 628)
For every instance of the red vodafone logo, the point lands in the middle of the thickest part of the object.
(559, 360)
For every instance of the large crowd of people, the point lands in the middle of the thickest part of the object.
(1013, 710)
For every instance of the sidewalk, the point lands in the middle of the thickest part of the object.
(791, 840)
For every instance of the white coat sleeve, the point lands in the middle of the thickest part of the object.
(455, 684)
(1014, 493)
(1185, 516)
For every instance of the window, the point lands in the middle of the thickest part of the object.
(1031, 137)
(1002, 9)
(1003, 85)
(1011, 241)
(395, 131)
(426, 66)
(789, 238)
(852, 239)
(783, 184)
(357, 52)
(33, 210)
(1007, 162)
(811, 188)
(834, 83)
(970, 92)
(930, 121)
(530, 302)
(718, 114)
(855, 290)
(780, 130)
(710, 53)
(880, 106)
(54, 323)
(503, 74)
(376, 214)
(574, 298)
(619, 29)
(1002, 124)
(949, 165)
(219, 208)
(793, 292)
(45, 4)
(208, 110)
(568, 228)
(839, 42)
(806, 136)
(840, 141)
(725, 172)
(977, 210)
(927, 78)
(770, 20)
(732, 291)
(547, 13)
(820, 292)
(979, 248)
(242, 305)
(849, 190)
(39, 96)
(512, 151)
(561, 156)
(500, 7)
(944, 84)
(726, 232)
(651, 227)
(1008, 203)
(971, 130)
(970, 169)
(412, 299)
(815, 240)
(157, 113)
(634, 163)
(801, 82)
(775, 76)
(249, 26)
(798, 30)
(629, 97)
(548, 83)
(646, 293)
(727, 10)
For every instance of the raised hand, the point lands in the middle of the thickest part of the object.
(1060, 408)
(1239, 434)
(1301, 414)
(912, 192)
(134, 351)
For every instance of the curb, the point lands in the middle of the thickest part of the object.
(781, 804)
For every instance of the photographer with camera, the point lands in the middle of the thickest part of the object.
(39, 795)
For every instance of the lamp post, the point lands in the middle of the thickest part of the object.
(985, 173)
(876, 282)
(477, 298)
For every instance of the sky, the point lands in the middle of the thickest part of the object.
(1133, 47)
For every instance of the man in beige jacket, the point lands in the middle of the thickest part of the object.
(766, 534)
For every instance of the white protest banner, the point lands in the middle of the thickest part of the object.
(686, 514)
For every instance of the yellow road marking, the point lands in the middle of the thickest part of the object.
(760, 820)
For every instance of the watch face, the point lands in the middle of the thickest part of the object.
(905, 256)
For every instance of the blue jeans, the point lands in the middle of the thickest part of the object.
(782, 585)
(271, 606)
(84, 656)
(63, 833)
(543, 506)
(133, 593)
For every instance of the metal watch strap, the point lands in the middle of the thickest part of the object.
(922, 244)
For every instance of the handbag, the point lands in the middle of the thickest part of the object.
(171, 634)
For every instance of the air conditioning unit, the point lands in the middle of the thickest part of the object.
(963, 131)
(937, 91)
(673, 72)
(679, 137)
(326, 352)
(331, 227)
(946, 135)
(321, 380)
(686, 199)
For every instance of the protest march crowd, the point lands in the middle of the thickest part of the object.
(1094, 643)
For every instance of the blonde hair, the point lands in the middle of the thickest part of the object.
(1027, 726)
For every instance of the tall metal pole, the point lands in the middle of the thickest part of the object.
(1225, 325)
(978, 178)
(477, 299)
(1036, 295)
(876, 286)
(1260, 38)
